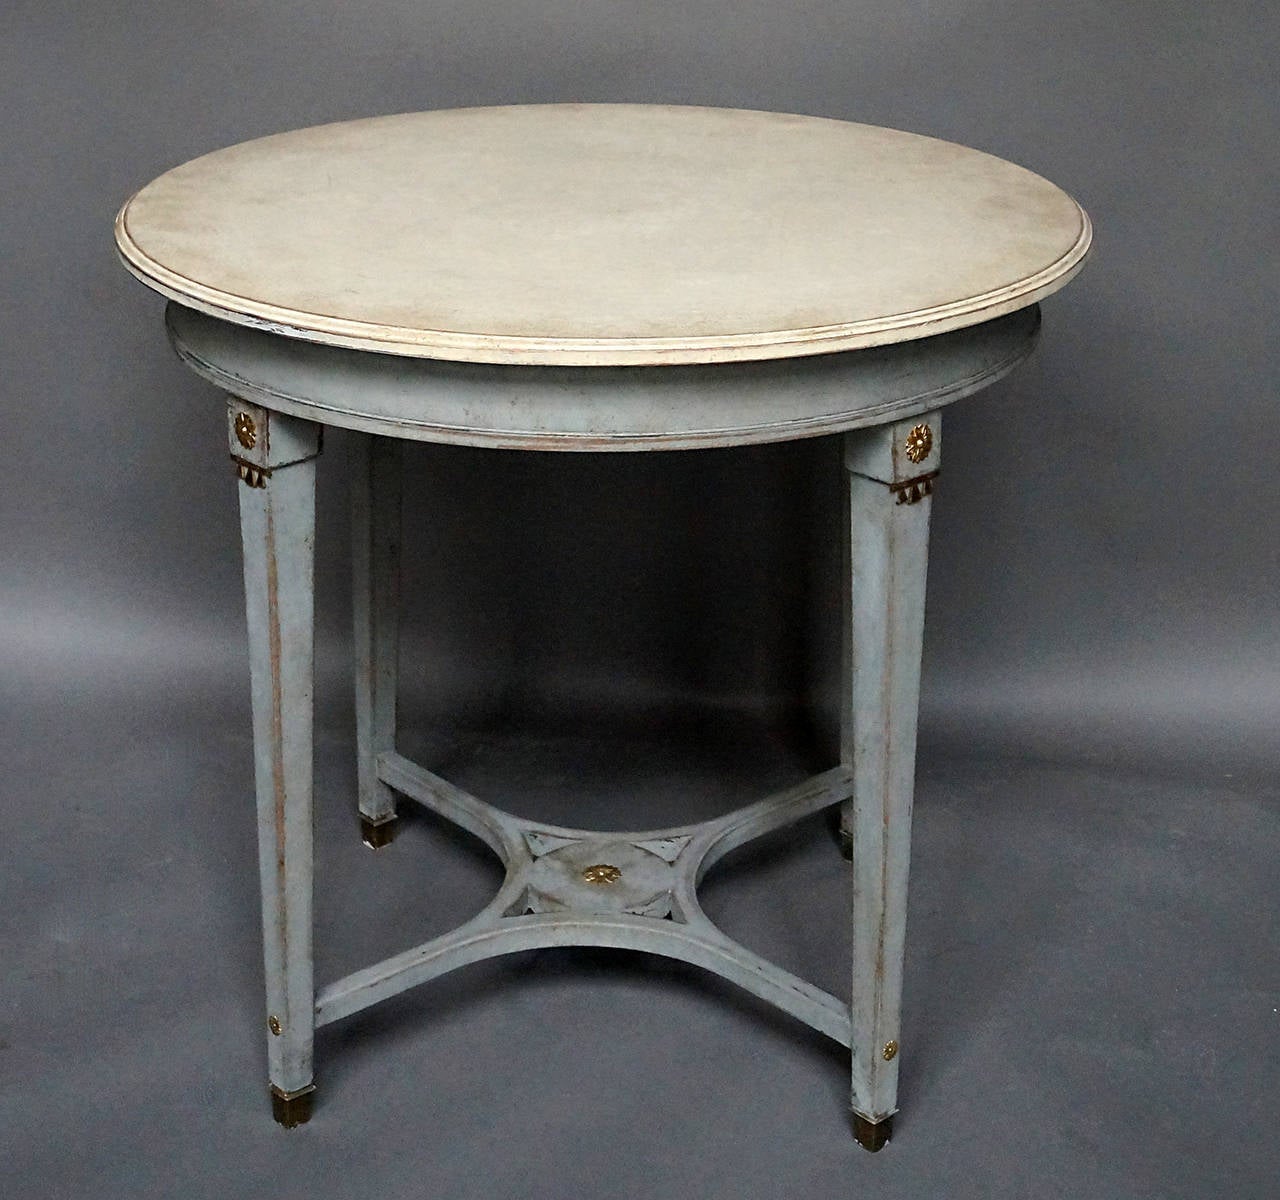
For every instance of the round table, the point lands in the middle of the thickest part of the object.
(592, 278)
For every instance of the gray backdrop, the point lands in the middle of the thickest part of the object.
(1092, 981)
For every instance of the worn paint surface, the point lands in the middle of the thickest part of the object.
(277, 523)
(602, 408)
(542, 903)
(884, 627)
(653, 907)
(613, 234)
(375, 467)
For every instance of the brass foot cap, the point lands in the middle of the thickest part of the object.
(872, 1135)
(376, 834)
(292, 1109)
(846, 845)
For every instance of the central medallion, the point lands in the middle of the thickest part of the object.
(604, 873)
(582, 872)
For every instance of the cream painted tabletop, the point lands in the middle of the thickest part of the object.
(602, 234)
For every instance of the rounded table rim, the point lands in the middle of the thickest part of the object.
(518, 349)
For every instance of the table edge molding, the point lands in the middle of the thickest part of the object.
(457, 346)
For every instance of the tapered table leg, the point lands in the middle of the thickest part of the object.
(891, 472)
(375, 510)
(275, 457)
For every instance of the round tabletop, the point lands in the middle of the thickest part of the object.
(602, 234)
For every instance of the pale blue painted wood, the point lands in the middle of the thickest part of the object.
(884, 627)
(653, 907)
(601, 408)
(375, 471)
(877, 397)
(277, 514)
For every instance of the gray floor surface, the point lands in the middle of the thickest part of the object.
(1091, 983)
